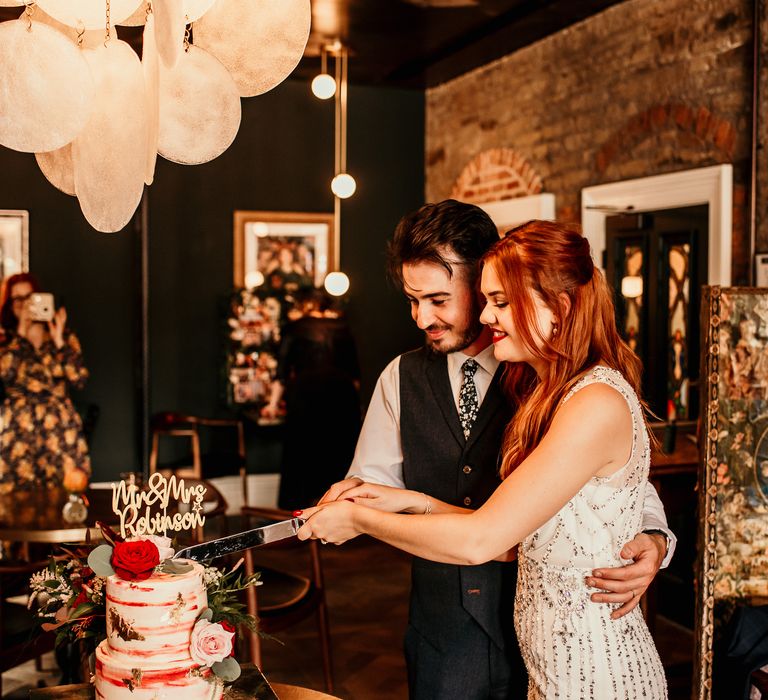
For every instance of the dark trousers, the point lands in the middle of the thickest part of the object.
(466, 666)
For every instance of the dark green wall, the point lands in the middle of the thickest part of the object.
(281, 160)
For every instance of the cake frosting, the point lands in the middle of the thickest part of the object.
(146, 653)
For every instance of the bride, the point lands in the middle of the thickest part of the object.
(575, 460)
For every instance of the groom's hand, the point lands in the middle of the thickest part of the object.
(339, 488)
(626, 584)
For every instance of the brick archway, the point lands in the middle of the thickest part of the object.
(496, 174)
(694, 122)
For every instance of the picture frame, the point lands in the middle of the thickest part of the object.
(278, 248)
(14, 242)
(732, 564)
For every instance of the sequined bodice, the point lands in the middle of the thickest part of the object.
(571, 647)
(606, 513)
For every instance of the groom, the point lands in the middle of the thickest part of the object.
(435, 424)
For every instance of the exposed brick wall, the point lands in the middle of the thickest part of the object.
(644, 88)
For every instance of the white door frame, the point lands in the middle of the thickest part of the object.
(712, 186)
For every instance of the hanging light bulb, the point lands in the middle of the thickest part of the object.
(336, 283)
(343, 185)
(323, 85)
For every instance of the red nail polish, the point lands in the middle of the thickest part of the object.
(297, 513)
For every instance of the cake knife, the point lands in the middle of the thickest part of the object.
(244, 540)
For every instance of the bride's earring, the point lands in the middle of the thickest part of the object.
(554, 329)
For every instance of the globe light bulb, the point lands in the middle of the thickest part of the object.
(254, 279)
(323, 86)
(343, 185)
(336, 283)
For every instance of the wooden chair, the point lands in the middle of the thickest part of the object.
(199, 464)
(287, 596)
(20, 638)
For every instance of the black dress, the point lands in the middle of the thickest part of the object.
(319, 369)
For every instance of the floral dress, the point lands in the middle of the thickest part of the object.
(41, 435)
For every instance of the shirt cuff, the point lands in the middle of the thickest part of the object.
(671, 543)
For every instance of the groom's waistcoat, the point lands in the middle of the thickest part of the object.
(440, 462)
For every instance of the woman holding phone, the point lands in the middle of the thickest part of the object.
(42, 442)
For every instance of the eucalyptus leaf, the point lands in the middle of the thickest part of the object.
(227, 670)
(207, 614)
(100, 560)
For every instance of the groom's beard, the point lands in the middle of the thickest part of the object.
(457, 338)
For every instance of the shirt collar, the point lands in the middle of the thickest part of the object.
(485, 358)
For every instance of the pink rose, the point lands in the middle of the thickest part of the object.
(210, 643)
(163, 544)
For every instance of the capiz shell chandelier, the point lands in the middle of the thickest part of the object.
(96, 114)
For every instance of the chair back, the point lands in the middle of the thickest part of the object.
(295, 596)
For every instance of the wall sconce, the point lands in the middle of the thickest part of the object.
(323, 84)
(632, 286)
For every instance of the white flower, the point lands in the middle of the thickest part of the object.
(211, 576)
(163, 544)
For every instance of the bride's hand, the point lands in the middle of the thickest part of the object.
(387, 498)
(332, 522)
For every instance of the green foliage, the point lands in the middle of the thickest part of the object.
(223, 600)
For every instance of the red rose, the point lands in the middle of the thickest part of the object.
(230, 628)
(134, 561)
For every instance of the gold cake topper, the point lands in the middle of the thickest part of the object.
(134, 506)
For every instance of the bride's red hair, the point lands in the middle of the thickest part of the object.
(553, 259)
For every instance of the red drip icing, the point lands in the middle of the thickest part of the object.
(167, 629)
(117, 601)
(165, 649)
(149, 679)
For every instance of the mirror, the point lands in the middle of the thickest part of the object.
(732, 565)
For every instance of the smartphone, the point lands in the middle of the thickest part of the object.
(40, 306)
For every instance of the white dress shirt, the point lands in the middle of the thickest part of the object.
(379, 454)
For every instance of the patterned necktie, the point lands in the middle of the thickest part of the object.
(468, 403)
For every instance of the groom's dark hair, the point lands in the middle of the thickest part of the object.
(443, 234)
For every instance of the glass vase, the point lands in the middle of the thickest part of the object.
(75, 510)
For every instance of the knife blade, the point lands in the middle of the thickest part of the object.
(244, 540)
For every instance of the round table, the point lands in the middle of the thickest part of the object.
(35, 516)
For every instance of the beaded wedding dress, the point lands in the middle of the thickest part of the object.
(571, 647)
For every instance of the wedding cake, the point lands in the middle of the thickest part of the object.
(147, 650)
(167, 624)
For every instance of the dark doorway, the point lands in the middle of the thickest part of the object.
(656, 262)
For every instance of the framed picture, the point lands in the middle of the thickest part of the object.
(732, 568)
(14, 242)
(282, 250)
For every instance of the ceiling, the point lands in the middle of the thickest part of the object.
(422, 43)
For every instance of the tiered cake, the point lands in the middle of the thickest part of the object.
(146, 653)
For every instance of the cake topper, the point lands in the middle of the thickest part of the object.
(134, 507)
